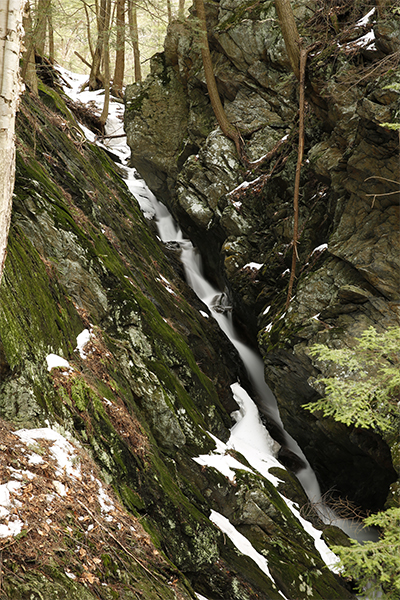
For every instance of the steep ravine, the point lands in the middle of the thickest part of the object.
(241, 218)
(148, 390)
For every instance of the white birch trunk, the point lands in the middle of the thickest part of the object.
(10, 86)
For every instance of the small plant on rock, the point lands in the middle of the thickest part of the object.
(366, 391)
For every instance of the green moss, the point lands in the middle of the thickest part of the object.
(36, 318)
(131, 499)
(251, 9)
(289, 486)
(334, 536)
(79, 195)
(80, 394)
(35, 585)
(135, 104)
(54, 101)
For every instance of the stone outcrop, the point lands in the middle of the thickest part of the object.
(241, 217)
(149, 393)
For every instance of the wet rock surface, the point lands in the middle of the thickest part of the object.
(150, 391)
(348, 266)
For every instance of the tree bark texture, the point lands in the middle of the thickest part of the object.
(96, 80)
(226, 126)
(41, 25)
(303, 61)
(51, 34)
(28, 67)
(104, 114)
(10, 48)
(134, 33)
(89, 35)
(118, 79)
(290, 34)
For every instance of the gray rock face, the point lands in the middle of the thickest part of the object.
(151, 391)
(161, 101)
(348, 201)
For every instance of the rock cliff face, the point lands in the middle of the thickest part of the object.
(240, 216)
(149, 391)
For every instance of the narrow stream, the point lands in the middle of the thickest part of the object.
(214, 298)
(216, 301)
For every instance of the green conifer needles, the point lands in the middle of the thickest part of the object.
(365, 387)
(364, 390)
(376, 565)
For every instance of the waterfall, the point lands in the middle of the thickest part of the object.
(218, 304)
(216, 300)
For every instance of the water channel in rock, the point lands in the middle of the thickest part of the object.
(216, 300)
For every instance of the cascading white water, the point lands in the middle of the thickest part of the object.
(252, 361)
(212, 297)
(215, 300)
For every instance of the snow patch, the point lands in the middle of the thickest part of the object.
(63, 452)
(366, 40)
(239, 541)
(166, 284)
(365, 20)
(329, 558)
(82, 340)
(221, 460)
(320, 248)
(253, 266)
(54, 361)
(248, 437)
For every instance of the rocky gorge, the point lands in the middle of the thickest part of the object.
(241, 215)
(116, 377)
(151, 389)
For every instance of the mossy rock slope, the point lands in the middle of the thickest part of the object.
(154, 381)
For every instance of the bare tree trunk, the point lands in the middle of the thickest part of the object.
(118, 80)
(43, 11)
(89, 35)
(28, 68)
(181, 9)
(302, 67)
(10, 48)
(169, 11)
(51, 34)
(95, 79)
(290, 33)
(134, 33)
(104, 114)
(226, 126)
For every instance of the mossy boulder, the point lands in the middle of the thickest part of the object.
(151, 385)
